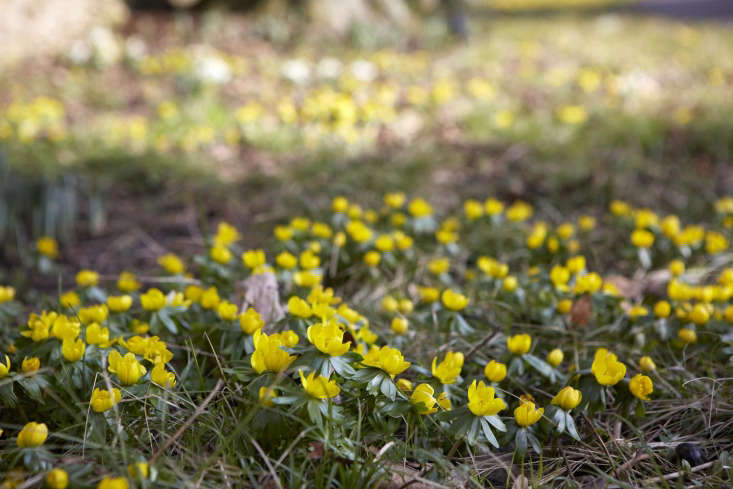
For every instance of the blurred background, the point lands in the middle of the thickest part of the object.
(129, 128)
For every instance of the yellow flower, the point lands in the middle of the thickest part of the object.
(87, 278)
(481, 400)
(588, 283)
(94, 314)
(220, 254)
(687, 335)
(127, 368)
(510, 284)
(586, 223)
(568, 398)
(419, 208)
(555, 357)
(526, 414)
(119, 303)
(210, 298)
(57, 479)
(113, 483)
(404, 385)
(559, 276)
(172, 264)
(662, 309)
(153, 300)
(7, 293)
(339, 204)
(676, 267)
(103, 399)
(428, 295)
(423, 393)
(495, 371)
(564, 306)
(30, 365)
(637, 311)
(227, 311)
(5, 368)
(328, 338)
(47, 246)
(226, 234)
(127, 282)
(298, 307)
(266, 396)
(39, 326)
(390, 304)
(454, 300)
(399, 325)
(96, 335)
(641, 238)
(283, 233)
(269, 355)
(443, 401)
(32, 435)
(641, 386)
(250, 321)
(699, 314)
(493, 207)
(319, 387)
(449, 369)
(286, 260)
(606, 367)
(72, 350)
(519, 344)
(160, 376)
(388, 359)
(647, 364)
(372, 258)
(253, 258)
(473, 209)
(519, 211)
(139, 470)
(64, 328)
(395, 199)
(438, 266)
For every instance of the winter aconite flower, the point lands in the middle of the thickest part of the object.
(113, 483)
(87, 278)
(519, 344)
(139, 470)
(388, 359)
(482, 400)
(127, 368)
(30, 365)
(250, 321)
(647, 364)
(269, 355)
(298, 307)
(47, 246)
(32, 435)
(127, 282)
(449, 369)
(641, 386)
(72, 350)
(495, 371)
(172, 264)
(160, 376)
(555, 357)
(454, 300)
(319, 386)
(687, 335)
(266, 396)
(5, 367)
(103, 399)
(328, 338)
(399, 325)
(606, 367)
(57, 479)
(568, 398)
(153, 300)
(526, 414)
(422, 398)
(119, 303)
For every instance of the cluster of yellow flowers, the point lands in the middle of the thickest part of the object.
(321, 354)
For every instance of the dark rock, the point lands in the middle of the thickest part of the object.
(690, 452)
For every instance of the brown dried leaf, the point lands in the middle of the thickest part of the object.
(261, 292)
(581, 312)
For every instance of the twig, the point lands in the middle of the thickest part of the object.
(677, 474)
(481, 343)
(197, 412)
(635, 459)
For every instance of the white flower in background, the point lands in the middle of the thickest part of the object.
(105, 46)
(329, 68)
(638, 84)
(363, 70)
(297, 71)
(209, 67)
(135, 48)
(80, 52)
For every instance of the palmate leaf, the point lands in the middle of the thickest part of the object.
(570, 425)
(342, 367)
(388, 388)
(7, 396)
(540, 365)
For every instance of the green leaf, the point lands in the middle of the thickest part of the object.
(536, 445)
(520, 440)
(389, 389)
(473, 432)
(462, 326)
(496, 422)
(488, 434)
(559, 419)
(541, 366)
(164, 318)
(570, 424)
(342, 367)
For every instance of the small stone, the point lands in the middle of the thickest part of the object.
(690, 452)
